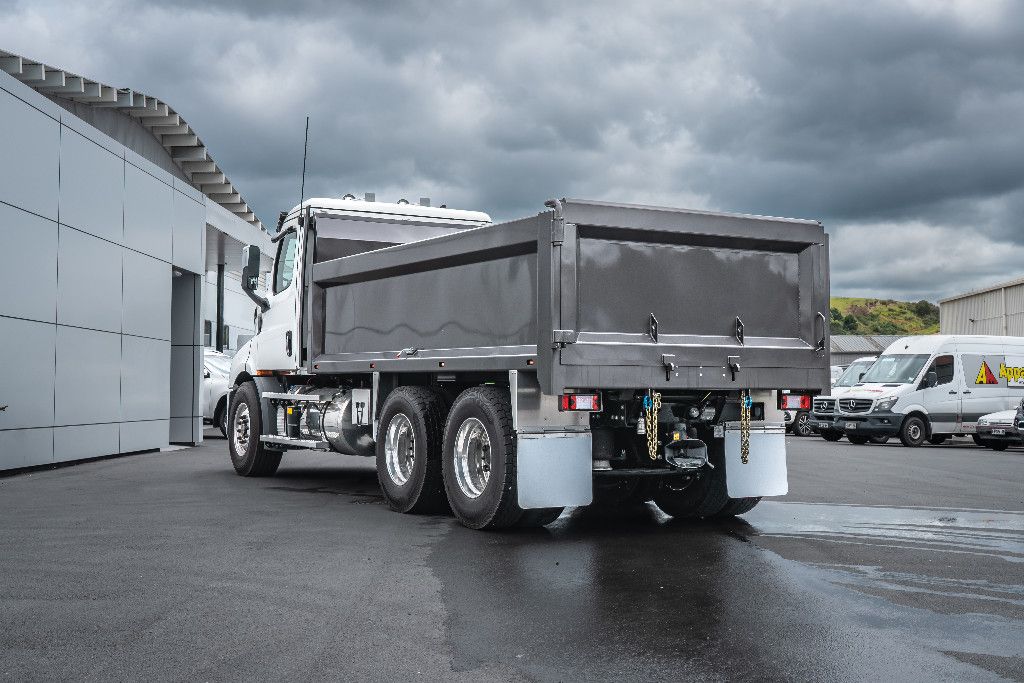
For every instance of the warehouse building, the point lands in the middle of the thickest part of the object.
(846, 348)
(998, 310)
(120, 235)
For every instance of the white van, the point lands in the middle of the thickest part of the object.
(928, 388)
(823, 411)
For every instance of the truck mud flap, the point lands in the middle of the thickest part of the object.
(764, 473)
(554, 469)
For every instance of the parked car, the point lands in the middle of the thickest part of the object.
(928, 388)
(1001, 429)
(216, 367)
(823, 418)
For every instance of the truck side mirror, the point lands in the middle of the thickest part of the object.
(251, 275)
(931, 379)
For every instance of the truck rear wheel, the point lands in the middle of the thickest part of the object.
(249, 455)
(479, 463)
(409, 450)
(706, 497)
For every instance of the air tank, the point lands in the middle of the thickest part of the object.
(330, 420)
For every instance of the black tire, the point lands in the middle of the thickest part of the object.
(937, 439)
(978, 441)
(831, 435)
(496, 504)
(706, 497)
(414, 487)
(249, 455)
(532, 519)
(624, 492)
(997, 445)
(913, 431)
(802, 424)
(878, 439)
(857, 439)
(220, 417)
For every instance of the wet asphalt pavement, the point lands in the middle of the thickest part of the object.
(883, 563)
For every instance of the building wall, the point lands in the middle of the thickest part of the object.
(90, 236)
(238, 311)
(999, 311)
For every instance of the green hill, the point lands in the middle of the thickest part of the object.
(878, 316)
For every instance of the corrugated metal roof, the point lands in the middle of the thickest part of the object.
(868, 345)
(174, 133)
(983, 290)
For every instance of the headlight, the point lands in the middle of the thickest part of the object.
(885, 404)
(982, 421)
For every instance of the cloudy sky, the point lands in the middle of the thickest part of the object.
(899, 124)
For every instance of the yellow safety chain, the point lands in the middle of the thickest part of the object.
(653, 405)
(745, 402)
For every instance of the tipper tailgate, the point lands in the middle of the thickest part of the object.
(642, 296)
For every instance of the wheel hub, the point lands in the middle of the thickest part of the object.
(240, 433)
(400, 449)
(472, 458)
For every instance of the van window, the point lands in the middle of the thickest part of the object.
(852, 374)
(942, 366)
(285, 265)
(897, 368)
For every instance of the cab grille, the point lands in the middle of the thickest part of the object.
(854, 405)
(824, 406)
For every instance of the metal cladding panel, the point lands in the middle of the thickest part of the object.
(491, 303)
(25, 448)
(88, 281)
(692, 290)
(29, 282)
(144, 436)
(85, 441)
(145, 378)
(147, 214)
(188, 236)
(28, 349)
(88, 384)
(91, 187)
(30, 148)
(147, 296)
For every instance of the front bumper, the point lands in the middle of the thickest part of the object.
(1007, 433)
(868, 424)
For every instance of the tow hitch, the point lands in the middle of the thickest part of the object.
(685, 453)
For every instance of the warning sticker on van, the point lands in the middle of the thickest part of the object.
(994, 371)
(985, 375)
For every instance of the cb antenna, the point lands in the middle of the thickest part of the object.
(302, 187)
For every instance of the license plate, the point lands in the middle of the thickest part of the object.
(851, 425)
(823, 425)
(998, 432)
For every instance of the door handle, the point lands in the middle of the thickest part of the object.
(967, 391)
(953, 392)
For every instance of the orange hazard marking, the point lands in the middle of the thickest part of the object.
(985, 375)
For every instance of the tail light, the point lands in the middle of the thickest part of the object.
(794, 402)
(586, 402)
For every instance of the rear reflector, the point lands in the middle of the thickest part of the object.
(794, 402)
(588, 402)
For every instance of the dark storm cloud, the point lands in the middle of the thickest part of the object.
(896, 123)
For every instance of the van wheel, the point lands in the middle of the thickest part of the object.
(878, 439)
(914, 431)
(250, 457)
(936, 439)
(997, 445)
(479, 462)
(409, 450)
(855, 439)
(802, 424)
(831, 435)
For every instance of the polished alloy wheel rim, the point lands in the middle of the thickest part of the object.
(472, 457)
(400, 449)
(241, 430)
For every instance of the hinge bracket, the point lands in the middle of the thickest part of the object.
(560, 338)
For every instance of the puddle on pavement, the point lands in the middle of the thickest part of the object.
(989, 533)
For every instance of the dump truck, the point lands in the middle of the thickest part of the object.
(592, 354)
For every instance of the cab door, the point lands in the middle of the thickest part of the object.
(278, 335)
(942, 399)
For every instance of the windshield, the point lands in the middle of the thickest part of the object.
(852, 374)
(220, 364)
(896, 368)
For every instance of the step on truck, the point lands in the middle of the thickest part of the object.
(594, 353)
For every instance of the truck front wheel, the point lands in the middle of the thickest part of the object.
(409, 450)
(479, 463)
(248, 454)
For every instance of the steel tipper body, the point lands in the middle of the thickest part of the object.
(593, 350)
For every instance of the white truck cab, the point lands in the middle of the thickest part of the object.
(927, 388)
(344, 227)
